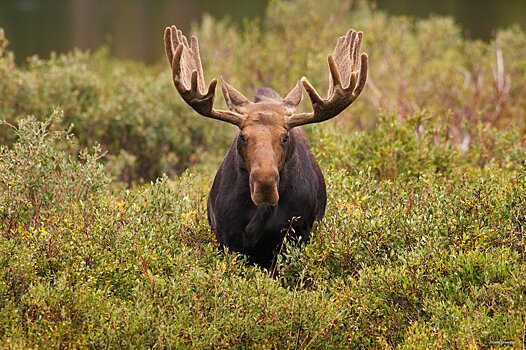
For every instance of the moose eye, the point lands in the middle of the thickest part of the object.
(285, 139)
(243, 138)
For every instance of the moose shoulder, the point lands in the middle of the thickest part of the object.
(269, 175)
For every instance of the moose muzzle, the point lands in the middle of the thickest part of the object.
(264, 186)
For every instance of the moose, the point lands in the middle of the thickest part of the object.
(269, 176)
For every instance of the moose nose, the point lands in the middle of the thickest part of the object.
(264, 186)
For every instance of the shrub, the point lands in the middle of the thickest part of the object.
(129, 109)
(133, 112)
(427, 253)
(39, 182)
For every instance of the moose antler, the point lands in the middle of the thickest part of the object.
(346, 81)
(188, 77)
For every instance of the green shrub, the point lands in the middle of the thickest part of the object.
(131, 110)
(426, 253)
(38, 181)
(134, 113)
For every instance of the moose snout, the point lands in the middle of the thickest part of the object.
(264, 186)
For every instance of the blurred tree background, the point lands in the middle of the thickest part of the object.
(131, 27)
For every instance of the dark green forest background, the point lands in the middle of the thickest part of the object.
(131, 28)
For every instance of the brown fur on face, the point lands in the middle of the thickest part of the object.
(264, 139)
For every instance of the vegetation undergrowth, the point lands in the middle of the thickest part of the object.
(133, 112)
(413, 252)
(422, 244)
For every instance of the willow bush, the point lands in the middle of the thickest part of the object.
(133, 112)
(130, 110)
(413, 252)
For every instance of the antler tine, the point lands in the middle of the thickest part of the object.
(347, 77)
(188, 77)
(168, 45)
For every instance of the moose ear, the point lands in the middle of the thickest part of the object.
(294, 98)
(235, 100)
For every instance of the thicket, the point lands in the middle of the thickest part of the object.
(133, 111)
(422, 245)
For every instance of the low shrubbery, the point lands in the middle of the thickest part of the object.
(133, 112)
(130, 110)
(414, 252)
(39, 181)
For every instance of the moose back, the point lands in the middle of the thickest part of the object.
(269, 175)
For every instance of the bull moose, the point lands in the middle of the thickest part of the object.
(269, 175)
